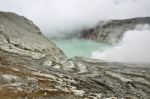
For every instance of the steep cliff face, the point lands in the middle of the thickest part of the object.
(20, 35)
(32, 67)
(112, 31)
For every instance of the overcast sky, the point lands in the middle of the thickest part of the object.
(56, 16)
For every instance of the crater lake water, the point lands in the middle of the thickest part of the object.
(79, 47)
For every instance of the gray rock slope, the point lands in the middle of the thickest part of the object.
(112, 31)
(20, 35)
(32, 67)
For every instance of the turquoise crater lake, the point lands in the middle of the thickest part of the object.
(79, 47)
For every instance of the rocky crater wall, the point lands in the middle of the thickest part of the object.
(112, 31)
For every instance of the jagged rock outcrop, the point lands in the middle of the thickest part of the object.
(50, 75)
(112, 31)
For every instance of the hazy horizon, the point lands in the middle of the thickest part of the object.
(55, 17)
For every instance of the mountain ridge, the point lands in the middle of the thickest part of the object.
(112, 31)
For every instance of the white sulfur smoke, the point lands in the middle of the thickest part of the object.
(56, 17)
(134, 47)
